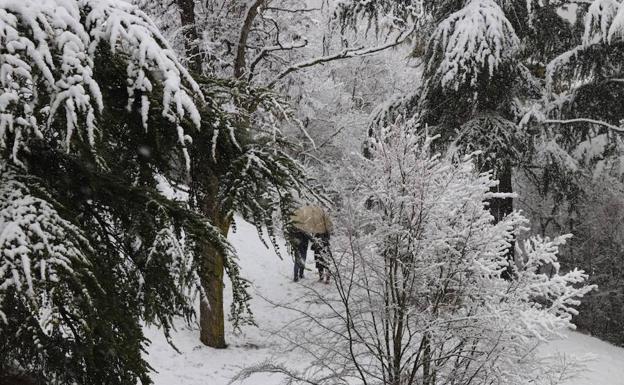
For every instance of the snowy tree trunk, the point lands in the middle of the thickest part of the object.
(211, 316)
(428, 376)
(212, 324)
(191, 37)
(501, 207)
(239, 61)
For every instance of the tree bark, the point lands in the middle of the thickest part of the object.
(428, 378)
(239, 60)
(191, 37)
(211, 318)
(501, 207)
(211, 315)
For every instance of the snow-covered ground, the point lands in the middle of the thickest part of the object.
(272, 283)
(605, 362)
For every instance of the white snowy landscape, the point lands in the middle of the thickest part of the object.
(312, 192)
(603, 363)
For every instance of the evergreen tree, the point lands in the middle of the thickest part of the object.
(582, 117)
(96, 116)
(470, 88)
(241, 167)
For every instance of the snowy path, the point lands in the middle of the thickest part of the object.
(271, 278)
(198, 364)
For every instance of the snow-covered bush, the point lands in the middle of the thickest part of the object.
(419, 297)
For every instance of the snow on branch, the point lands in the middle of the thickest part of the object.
(344, 54)
(585, 120)
(266, 50)
(38, 247)
(572, 69)
(475, 39)
(47, 64)
(598, 20)
(616, 31)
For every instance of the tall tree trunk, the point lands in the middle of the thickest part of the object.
(239, 60)
(211, 316)
(191, 37)
(428, 378)
(501, 207)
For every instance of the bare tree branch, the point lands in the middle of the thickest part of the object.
(585, 120)
(345, 54)
(278, 47)
(239, 61)
(292, 10)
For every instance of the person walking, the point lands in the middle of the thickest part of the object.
(313, 223)
(299, 243)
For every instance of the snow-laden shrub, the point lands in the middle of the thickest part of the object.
(428, 260)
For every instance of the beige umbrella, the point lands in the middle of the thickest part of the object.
(312, 220)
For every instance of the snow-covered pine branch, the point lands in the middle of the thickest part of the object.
(48, 58)
(475, 41)
(42, 258)
(598, 21)
(576, 78)
(591, 60)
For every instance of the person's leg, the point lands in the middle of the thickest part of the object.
(318, 256)
(295, 241)
(319, 265)
(302, 254)
(324, 250)
(321, 249)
